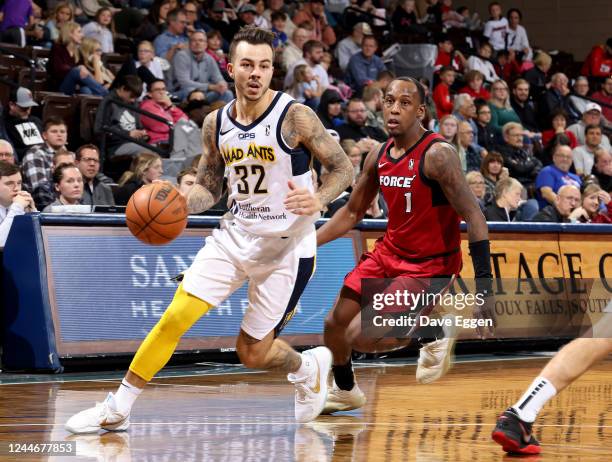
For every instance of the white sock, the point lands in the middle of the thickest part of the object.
(307, 366)
(126, 396)
(536, 396)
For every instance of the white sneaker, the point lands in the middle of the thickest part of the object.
(102, 416)
(343, 400)
(311, 391)
(434, 360)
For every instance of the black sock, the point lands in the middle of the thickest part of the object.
(343, 376)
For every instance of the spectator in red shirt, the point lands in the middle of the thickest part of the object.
(474, 85)
(605, 96)
(158, 103)
(448, 57)
(599, 61)
(559, 125)
(441, 94)
(506, 65)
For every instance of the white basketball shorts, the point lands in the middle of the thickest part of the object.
(277, 269)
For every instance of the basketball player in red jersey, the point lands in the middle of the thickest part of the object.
(420, 177)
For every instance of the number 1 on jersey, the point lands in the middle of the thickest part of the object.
(408, 202)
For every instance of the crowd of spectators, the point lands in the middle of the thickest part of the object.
(530, 141)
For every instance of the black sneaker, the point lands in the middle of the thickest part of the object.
(514, 435)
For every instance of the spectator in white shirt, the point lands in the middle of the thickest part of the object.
(313, 55)
(517, 35)
(496, 28)
(482, 63)
(99, 29)
(13, 201)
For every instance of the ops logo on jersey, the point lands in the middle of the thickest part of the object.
(264, 154)
(397, 181)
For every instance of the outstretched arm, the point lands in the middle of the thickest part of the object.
(302, 126)
(209, 180)
(353, 212)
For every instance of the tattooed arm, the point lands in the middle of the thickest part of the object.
(302, 126)
(442, 165)
(209, 180)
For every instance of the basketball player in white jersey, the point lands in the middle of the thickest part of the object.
(266, 141)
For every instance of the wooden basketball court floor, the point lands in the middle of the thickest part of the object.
(227, 413)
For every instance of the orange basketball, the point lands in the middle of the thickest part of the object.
(156, 214)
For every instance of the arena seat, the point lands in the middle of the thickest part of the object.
(17, 49)
(7, 80)
(114, 61)
(24, 79)
(63, 106)
(88, 106)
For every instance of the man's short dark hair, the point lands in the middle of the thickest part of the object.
(7, 169)
(368, 37)
(130, 83)
(254, 36)
(443, 38)
(419, 86)
(514, 10)
(150, 84)
(480, 102)
(590, 127)
(311, 45)
(278, 15)
(79, 152)
(173, 14)
(501, 53)
(52, 121)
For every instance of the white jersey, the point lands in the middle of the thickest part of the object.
(260, 165)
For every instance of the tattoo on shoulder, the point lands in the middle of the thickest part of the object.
(442, 162)
(302, 126)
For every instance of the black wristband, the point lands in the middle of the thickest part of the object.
(481, 259)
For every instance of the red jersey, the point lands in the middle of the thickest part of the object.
(422, 225)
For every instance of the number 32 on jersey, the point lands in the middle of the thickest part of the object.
(249, 175)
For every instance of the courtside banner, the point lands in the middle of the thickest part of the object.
(108, 290)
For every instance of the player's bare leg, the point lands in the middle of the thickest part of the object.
(152, 355)
(345, 393)
(513, 429)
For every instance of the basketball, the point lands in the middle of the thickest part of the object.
(156, 214)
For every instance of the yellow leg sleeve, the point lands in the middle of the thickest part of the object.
(157, 348)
